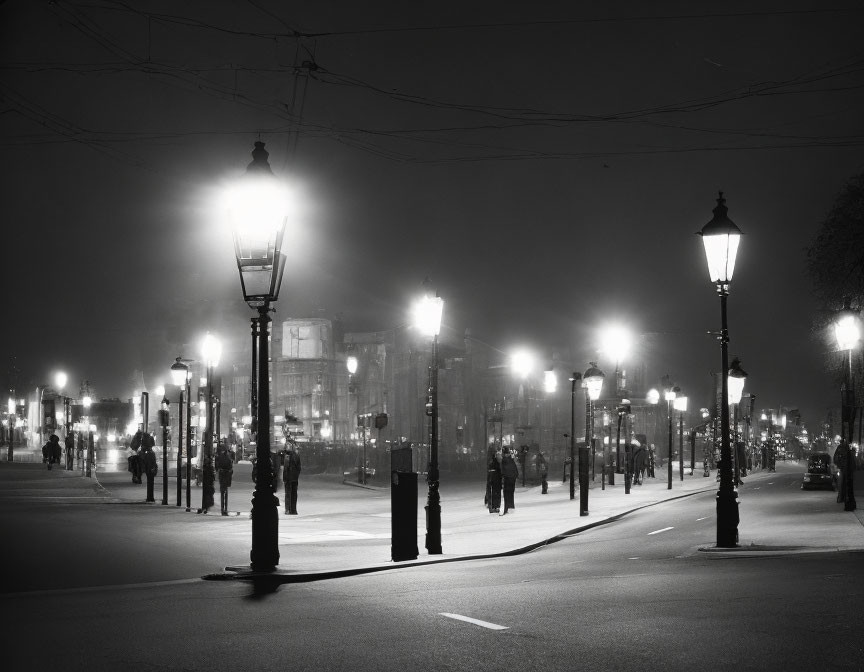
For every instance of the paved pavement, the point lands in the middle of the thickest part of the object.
(344, 528)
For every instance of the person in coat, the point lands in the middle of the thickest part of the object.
(542, 472)
(224, 470)
(509, 474)
(291, 477)
(56, 450)
(70, 451)
(639, 455)
(493, 485)
(150, 467)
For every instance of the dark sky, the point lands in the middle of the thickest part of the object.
(547, 164)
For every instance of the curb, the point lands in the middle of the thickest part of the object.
(278, 577)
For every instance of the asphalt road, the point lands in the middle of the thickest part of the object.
(637, 594)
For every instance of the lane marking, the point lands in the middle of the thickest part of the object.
(703, 518)
(632, 558)
(659, 531)
(468, 619)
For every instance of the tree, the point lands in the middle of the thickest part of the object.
(835, 259)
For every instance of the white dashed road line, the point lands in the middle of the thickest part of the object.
(659, 531)
(482, 624)
(703, 518)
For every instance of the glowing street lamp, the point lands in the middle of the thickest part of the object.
(735, 378)
(60, 380)
(211, 352)
(848, 333)
(680, 405)
(258, 206)
(181, 377)
(522, 363)
(427, 318)
(87, 402)
(592, 380)
(670, 392)
(550, 381)
(720, 238)
(617, 341)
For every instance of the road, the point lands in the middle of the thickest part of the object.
(636, 594)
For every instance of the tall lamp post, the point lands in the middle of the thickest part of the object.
(669, 393)
(721, 237)
(164, 418)
(592, 379)
(427, 318)
(211, 352)
(848, 334)
(60, 380)
(735, 384)
(258, 209)
(680, 405)
(616, 340)
(180, 376)
(351, 365)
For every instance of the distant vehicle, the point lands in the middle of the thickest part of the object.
(821, 472)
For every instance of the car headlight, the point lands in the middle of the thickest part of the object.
(806, 478)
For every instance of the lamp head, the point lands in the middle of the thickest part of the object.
(60, 379)
(721, 237)
(179, 372)
(593, 381)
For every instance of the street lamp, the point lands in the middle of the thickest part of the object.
(735, 383)
(351, 364)
(181, 377)
(592, 380)
(720, 238)
(427, 318)
(653, 398)
(211, 352)
(522, 363)
(60, 380)
(669, 393)
(258, 209)
(164, 420)
(680, 405)
(848, 334)
(87, 402)
(616, 341)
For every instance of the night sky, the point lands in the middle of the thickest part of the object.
(546, 164)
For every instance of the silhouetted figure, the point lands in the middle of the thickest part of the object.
(509, 474)
(69, 443)
(150, 467)
(224, 470)
(291, 478)
(493, 484)
(543, 473)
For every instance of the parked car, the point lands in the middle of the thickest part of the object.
(821, 472)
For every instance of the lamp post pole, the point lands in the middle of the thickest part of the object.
(669, 455)
(727, 503)
(583, 466)
(265, 517)
(433, 504)
(163, 419)
(849, 399)
(573, 380)
(188, 444)
(180, 448)
(681, 445)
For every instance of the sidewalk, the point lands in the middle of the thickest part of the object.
(344, 528)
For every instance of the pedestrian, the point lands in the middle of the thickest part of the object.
(291, 477)
(131, 462)
(493, 484)
(138, 444)
(69, 442)
(509, 474)
(150, 467)
(841, 458)
(56, 450)
(224, 469)
(639, 459)
(543, 472)
(650, 461)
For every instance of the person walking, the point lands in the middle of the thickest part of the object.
(224, 469)
(51, 450)
(509, 474)
(493, 485)
(131, 462)
(69, 443)
(150, 467)
(542, 472)
(639, 455)
(291, 477)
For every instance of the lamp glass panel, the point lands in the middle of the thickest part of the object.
(720, 252)
(847, 332)
(680, 404)
(60, 379)
(653, 396)
(736, 388)
(178, 375)
(211, 350)
(594, 384)
(351, 363)
(550, 381)
(427, 315)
